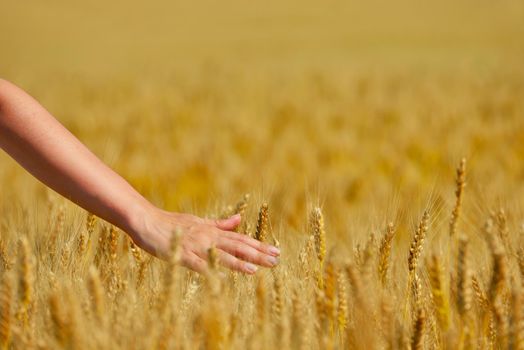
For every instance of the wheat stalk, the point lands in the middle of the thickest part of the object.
(417, 243)
(438, 291)
(25, 280)
(417, 340)
(261, 232)
(6, 302)
(384, 253)
(459, 193)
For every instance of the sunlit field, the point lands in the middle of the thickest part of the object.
(380, 145)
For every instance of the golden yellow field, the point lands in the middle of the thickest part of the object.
(350, 119)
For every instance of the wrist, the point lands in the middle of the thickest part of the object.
(138, 219)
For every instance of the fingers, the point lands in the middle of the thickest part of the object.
(194, 262)
(261, 246)
(234, 263)
(227, 224)
(235, 251)
(246, 252)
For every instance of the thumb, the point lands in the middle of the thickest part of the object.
(229, 223)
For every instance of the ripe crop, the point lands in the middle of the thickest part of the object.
(381, 150)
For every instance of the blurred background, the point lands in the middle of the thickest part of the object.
(353, 104)
(101, 38)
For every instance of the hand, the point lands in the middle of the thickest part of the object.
(235, 251)
(34, 138)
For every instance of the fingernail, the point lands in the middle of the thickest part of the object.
(250, 268)
(274, 251)
(236, 216)
(272, 260)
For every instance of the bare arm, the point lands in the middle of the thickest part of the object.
(45, 148)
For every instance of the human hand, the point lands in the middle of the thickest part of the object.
(234, 250)
(34, 138)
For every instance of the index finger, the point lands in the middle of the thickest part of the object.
(261, 246)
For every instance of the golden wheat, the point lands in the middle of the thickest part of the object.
(344, 126)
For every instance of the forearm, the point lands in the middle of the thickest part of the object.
(52, 154)
(36, 140)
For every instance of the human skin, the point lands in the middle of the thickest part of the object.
(45, 148)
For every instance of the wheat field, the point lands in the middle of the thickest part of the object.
(379, 144)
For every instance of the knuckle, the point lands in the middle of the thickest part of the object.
(187, 261)
(239, 265)
(260, 259)
(248, 240)
(214, 235)
(239, 236)
(237, 248)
